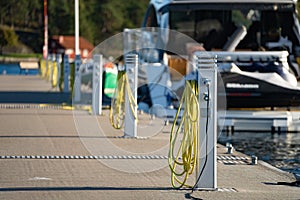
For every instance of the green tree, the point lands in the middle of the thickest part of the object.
(134, 13)
(61, 14)
(87, 25)
(60, 17)
(113, 16)
(21, 13)
(99, 19)
(3, 41)
(7, 38)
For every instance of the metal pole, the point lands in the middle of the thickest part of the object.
(77, 83)
(97, 84)
(77, 27)
(45, 47)
(207, 158)
(66, 73)
(130, 126)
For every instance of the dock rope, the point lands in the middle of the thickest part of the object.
(183, 162)
(117, 109)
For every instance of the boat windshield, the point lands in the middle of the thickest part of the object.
(213, 27)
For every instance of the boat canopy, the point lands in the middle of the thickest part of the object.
(267, 24)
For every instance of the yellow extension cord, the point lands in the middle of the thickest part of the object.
(54, 74)
(117, 109)
(182, 167)
(46, 72)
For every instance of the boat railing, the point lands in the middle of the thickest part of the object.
(251, 56)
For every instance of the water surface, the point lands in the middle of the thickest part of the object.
(281, 151)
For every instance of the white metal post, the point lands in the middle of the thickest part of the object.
(130, 126)
(77, 83)
(77, 28)
(207, 79)
(45, 47)
(97, 84)
(66, 73)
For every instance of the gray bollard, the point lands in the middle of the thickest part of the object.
(58, 64)
(53, 58)
(77, 82)
(50, 58)
(97, 85)
(130, 124)
(66, 73)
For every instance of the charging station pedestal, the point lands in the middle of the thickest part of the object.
(206, 174)
(58, 64)
(66, 73)
(77, 80)
(130, 124)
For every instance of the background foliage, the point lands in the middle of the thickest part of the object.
(99, 19)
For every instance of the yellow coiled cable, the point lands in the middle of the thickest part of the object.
(117, 109)
(54, 75)
(182, 167)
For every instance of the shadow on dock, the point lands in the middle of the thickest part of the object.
(24, 189)
(35, 97)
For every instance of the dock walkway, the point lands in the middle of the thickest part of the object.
(47, 152)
